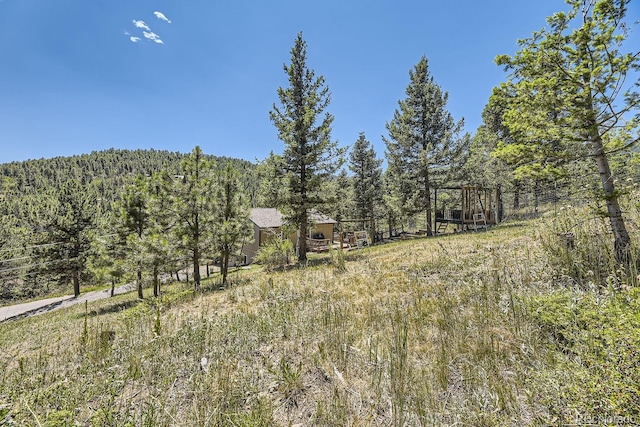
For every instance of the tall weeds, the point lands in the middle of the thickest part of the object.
(434, 332)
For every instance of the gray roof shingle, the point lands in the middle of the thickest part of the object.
(266, 217)
(272, 218)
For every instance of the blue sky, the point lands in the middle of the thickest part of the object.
(73, 80)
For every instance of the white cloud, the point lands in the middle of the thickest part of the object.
(141, 24)
(152, 36)
(162, 17)
(134, 39)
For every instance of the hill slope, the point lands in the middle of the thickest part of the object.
(29, 194)
(471, 329)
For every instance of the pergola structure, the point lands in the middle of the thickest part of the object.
(474, 208)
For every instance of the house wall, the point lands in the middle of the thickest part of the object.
(263, 236)
(250, 249)
(326, 229)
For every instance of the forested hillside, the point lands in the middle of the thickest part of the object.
(31, 195)
(105, 171)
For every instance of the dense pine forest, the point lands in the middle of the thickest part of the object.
(33, 192)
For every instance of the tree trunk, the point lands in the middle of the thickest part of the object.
(156, 282)
(302, 239)
(427, 190)
(113, 288)
(196, 267)
(224, 267)
(500, 203)
(622, 242)
(140, 295)
(76, 284)
(304, 223)
(516, 194)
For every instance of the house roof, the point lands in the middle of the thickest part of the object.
(272, 218)
(266, 217)
(318, 218)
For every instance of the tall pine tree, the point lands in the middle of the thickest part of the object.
(310, 156)
(367, 178)
(571, 96)
(231, 219)
(422, 140)
(135, 219)
(193, 204)
(68, 233)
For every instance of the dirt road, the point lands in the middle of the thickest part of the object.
(19, 311)
(33, 308)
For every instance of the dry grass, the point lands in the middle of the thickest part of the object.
(427, 332)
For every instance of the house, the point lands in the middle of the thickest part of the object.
(268, 223)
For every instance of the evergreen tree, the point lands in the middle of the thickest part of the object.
(310, 156)
(339, 203)
(69, 233)
(135, 224)
(272, 188)
(569, 96)
(394, 208)
(367, 178)
(422, 140)
(160, 250)
(109, 257)
(193, 204)
(231, 220)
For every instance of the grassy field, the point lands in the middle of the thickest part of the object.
(504, 327)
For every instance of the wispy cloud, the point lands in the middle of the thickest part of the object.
(162, 17)
(149, 35)
(141, 24)
(146, 30)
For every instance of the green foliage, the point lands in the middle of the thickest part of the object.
(68, 235)
(569, 97)
(193, 206)
(339, 202)
(367, 178)
(30, 205)
(273, 189)
(310, 156)
(135, 222)
(231, 218)
(597, 346)
(422, 143)
(275, 253)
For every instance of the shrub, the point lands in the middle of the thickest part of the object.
(276, 253)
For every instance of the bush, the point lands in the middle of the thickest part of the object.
(276, 253)
(597, 353)
(580, 248)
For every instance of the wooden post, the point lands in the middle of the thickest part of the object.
(435, 211)
(462, 207)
